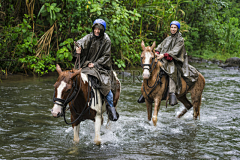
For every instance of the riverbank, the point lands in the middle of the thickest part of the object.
(231, 63)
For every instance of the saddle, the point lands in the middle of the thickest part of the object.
(95, 83)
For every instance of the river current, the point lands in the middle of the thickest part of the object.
(28, 130)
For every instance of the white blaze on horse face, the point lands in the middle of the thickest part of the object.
(146, 73)
(57, 109)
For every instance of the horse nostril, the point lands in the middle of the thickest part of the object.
(145, 75)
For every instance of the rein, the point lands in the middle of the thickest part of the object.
(158, 79)
(72, 98)
(84, 109)
(157, 82)
(78, 57)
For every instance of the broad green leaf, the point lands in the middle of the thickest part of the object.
(40, 11)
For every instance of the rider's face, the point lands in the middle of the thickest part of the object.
(96, 31)
(173, 29)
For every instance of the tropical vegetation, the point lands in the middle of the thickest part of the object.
(37, 34)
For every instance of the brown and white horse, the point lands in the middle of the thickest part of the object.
(154, 86)
(72, 87)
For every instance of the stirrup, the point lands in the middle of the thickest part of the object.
(172, 99)
(141, 99)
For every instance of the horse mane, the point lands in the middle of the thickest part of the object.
(159, 64)
(65, 74)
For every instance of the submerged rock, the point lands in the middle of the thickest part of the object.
(231, 62)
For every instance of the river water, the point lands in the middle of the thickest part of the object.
(28, 130)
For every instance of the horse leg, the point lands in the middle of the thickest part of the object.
(76, 133)
(188, 105)
(98, 122)
(149, 109)
(196, 95)
(156, 109)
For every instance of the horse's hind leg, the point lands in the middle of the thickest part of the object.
(196, 95)
(188, 105)
(196, 101)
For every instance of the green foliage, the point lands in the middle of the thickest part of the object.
(39, 66)
(17, 42)
(65, 52)
(215, 30)
(51, 11)
(210, 29)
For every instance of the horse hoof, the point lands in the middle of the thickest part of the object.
(98, 142)
(154, 119)
(76, 140)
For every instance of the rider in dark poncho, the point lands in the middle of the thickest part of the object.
(95, 50)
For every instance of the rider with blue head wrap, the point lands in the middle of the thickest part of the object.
(95, 50)
(172, 54)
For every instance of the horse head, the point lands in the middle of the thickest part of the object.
(147, 59)
(64, 89)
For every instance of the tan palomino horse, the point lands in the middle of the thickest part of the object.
(151, 69)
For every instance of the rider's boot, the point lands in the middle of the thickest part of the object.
(172, 99)
(112, 113)
(172, 89)
(141, 99)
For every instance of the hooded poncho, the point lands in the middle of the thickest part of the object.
(97, 50)
(174, 46)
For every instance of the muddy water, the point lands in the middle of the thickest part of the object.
(28, 130)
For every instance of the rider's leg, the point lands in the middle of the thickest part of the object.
(109, 98)
(172, 90)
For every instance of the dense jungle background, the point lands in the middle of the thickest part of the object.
(37, 34)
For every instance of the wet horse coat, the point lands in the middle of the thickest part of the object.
(79, 105)
(151, 69)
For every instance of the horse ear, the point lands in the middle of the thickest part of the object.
(75, 74)
(58, 68)
(153, 45)
(143, 46)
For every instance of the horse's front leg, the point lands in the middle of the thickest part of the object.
(98, 123)
(156, 109)
(149, 109)
(76, 133)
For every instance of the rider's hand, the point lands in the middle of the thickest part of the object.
(90, 65)
(159, 56)
(78, 50)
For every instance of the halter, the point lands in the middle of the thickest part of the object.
(64, 102)
(70, 98)
(158, 79)
(150, 65)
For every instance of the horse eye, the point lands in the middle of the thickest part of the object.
(68, 90)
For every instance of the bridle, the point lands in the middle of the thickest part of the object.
(71, 98)
(158, 79)
(149, 65)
